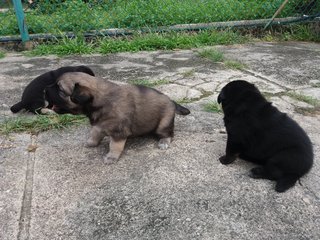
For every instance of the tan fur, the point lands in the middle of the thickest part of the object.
(119, 111)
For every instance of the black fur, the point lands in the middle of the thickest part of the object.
(260, 133)
(43, 88)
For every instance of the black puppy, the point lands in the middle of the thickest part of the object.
(260, 133)
(44, 88)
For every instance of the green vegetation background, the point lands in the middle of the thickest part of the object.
(55, 16)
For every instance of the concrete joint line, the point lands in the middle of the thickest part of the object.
(25, 213)
(311, 192)
(264, 78)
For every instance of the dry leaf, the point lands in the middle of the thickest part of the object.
(32, 148)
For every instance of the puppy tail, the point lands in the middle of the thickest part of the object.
(86, 69)
(17, 107)
(181, 110)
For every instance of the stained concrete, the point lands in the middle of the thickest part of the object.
(53, 187)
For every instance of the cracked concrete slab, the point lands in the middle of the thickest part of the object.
(13, 168)
(62, 190)
(292, 64)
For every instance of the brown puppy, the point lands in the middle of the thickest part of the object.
(120, 111)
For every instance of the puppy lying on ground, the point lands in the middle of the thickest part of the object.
(43, 88)
(120, 111)
(260, 133)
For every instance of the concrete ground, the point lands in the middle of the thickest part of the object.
(62, 190)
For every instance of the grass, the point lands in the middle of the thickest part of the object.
(217, 56)
(185, 100)
(235, 65)
(302, 98)
(316, 85)
(76, 15)
(80, 16)
(315, 103)
(301, 32)
(189, 73)
(190, 100)
(138, 42)
(269, 95)
(40, 123)
(167, 41)
(212, 107)
(149, 83)
(170, 40)
(2, 54)
(63, 47)
(212, 54)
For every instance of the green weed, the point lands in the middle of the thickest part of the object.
(217, 56)
(149, 83)
(185, 100)
(212, 107)
(65, 46)
(235, 65)
(188, 73)
(139, 42)
(2, 54)
(204, 94)
(301, 32)
(307, 99)
(316, 85)
(40, 123)
(212, 54)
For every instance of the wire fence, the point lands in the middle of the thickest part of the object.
(80, 16)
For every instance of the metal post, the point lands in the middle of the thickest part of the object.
(21, 20)
(276, 14)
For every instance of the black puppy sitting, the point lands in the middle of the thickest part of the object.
(260, 133)
(44, 88)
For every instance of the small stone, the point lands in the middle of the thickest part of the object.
(306, 200)
(222, 130)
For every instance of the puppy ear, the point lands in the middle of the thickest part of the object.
(221, 97)
(80, 95)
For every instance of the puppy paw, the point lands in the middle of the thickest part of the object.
(280, 189)
(257, 172)
(91, 143)
(226, 159)
(47, 111)
(283, 184)
(110, 159)
(164, 143)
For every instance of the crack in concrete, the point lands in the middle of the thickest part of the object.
(264, 78)
(25, 213)
(311, 192)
